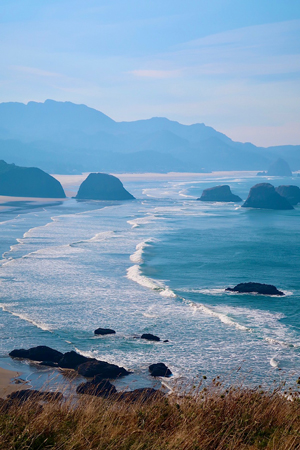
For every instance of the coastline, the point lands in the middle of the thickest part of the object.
(7, 385)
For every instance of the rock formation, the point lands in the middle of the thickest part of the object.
(18, 181)
(159, 370)
(219, 194)
(150, 337)
(264, 196)
(256, 288)
(102, 369)
(39, 353)
(291, 193)
(279, 168)
(104, 331)
(101, 186)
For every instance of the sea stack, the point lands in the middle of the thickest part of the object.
(18, 181)
(219, 194)
(264, 196)
(255, 288)
(279, 168)
(101, 186)
(291, 193)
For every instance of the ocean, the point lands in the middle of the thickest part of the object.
(159, 264)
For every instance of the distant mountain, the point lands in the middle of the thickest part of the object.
(62, 137)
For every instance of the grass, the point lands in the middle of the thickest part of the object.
(212, 418)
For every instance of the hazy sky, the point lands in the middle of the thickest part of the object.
(232, 64)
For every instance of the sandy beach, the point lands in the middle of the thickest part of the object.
(7, 386)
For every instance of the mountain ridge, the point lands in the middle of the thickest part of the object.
(65, 137)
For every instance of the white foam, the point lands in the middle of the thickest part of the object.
(137, 256)
(40, 325)
(274, 363)
(134, 274)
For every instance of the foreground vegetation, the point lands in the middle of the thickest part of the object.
(214, 418)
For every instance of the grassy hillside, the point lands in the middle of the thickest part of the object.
(235, 419)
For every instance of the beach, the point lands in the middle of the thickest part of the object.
(7, 385)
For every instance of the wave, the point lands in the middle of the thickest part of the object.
(134, 274)
(137, 256)
(97, 238)
(40, 325)
(274, 363)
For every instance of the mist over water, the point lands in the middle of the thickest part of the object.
(159, 264)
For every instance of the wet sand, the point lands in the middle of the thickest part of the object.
(7, 385)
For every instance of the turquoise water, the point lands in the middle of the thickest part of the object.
(159, 264)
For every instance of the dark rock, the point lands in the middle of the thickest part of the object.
(18, 181)
(102, 369)
(264, 196)
(101, 186)
(159, 370)
(48, 363)
(97, 387)
(141, 395)
(104, 331)
(71, 360)
(291, 193)
(166, 340)
(257, 288)
(279, 168)
(150, 337)
(219, 194)
(39, 353)
(30, 394)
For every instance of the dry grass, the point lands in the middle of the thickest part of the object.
(235, 419)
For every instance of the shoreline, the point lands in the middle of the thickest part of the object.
(7, 384)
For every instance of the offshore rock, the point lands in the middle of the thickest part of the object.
(264, 196)
(102, 369)
(290, 193)
(159, 370)
(18, 181)
(256, 288)
(39, 353)
(219, 194)
(71, 360)
(150, 337)
(101, 186)
(104, 331)
(279, 168)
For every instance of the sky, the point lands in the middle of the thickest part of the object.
(231, 64)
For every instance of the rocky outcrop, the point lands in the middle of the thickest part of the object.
(102, 369)
(219, 194)
(18, 181)
(103, 388)
(279, 168)
(290, 193)
(71, 360)
(264, 196)
(159, 370)
(150, 337)
(104, 331)
(39, 353)
(255, 288)
(142, 395)
(101, 186)
(97, 387)
(31, 394)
